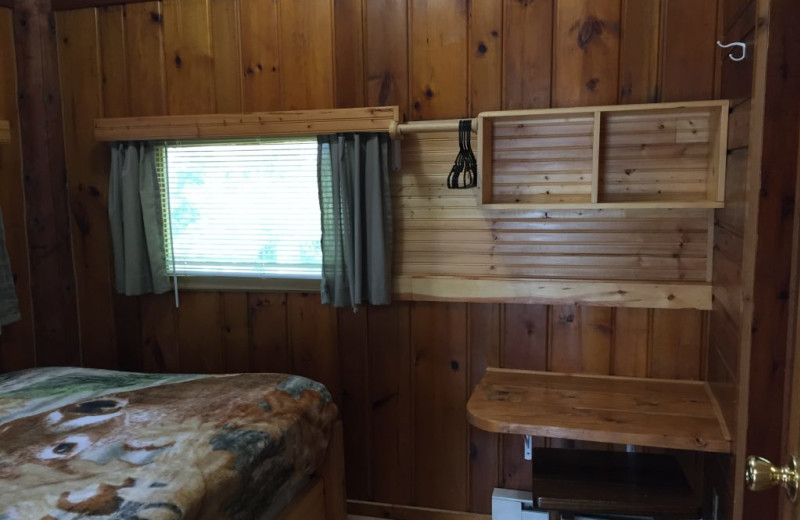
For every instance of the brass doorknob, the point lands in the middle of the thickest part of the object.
(761, 474)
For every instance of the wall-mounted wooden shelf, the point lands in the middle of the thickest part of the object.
(665, 155)
(220, 126)
(646, 412)
(5, 132)
(649, 295)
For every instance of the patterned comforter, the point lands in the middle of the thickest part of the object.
(79, 443)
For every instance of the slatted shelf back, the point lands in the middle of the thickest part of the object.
(652, 156)
(669, 155)
(546, 159)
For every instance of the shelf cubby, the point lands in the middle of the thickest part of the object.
(667, 155)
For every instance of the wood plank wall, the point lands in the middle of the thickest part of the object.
(401, 373)
(17, 340)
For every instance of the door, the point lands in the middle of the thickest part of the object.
(761, 474)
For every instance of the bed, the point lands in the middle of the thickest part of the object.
(80, 443)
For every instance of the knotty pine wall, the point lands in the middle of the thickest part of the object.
(401, 373)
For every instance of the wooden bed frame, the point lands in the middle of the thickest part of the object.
(324, 498)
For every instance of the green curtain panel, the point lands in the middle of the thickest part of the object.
(356, 208)
(9, 307)
(134, 209)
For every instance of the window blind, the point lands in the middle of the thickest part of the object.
(241, 208)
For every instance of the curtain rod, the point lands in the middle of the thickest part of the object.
(397, 130)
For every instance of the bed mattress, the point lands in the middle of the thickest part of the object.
(80, 443)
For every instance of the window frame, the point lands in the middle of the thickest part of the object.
(224, 282)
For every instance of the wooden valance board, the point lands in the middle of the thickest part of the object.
(657, 413)
(5, 132)
(259, 124)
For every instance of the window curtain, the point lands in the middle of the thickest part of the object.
(9, 307)
(356, 208)
(134, 209)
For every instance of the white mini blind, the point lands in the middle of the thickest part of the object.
(241, 208)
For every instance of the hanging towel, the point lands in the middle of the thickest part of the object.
(9, 307)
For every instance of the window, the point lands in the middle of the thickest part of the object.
(241, 208)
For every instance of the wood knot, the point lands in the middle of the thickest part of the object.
(591, 27)
(482, 48)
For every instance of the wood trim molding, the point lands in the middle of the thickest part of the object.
(68, 5)
(5, 129)
(299, 122)
(654, 295)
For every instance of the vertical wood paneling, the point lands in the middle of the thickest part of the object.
(235, 342)
(386, 49)
(527, 53)
(113, 61)
(79, 56)
(269, 346)
(677, 344)
(391, 397)
(441, 374)
(687, 49)
(354, 406)
(188, 59)
(313, 341)
(438, 59)
(200, 333)
(348, 23)
(484, 351)
(260, 55)
(17, 345)
(586, 52)
(580, 339)
(159, 333)
(226, 49)
(144, 45)
(524, 346)
(307, 52)
(631, 342)
(486, 30)
(639, 39)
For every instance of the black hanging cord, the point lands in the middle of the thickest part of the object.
(464, 173)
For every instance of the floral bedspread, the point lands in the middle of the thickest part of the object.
(80, 443)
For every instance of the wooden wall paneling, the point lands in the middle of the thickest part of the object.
(226, 49)
(524, 345)
(307, 54)
(438, 332)
(486, 29)
(17, 343)
(639, 51)
(688, 36)
(269, 343)
(261, 63)
(527, 54)
(144, 46)
(113, 62)
(586, 52)
(81, 90)
(632, 340)
(188, 57)
(313, 341)
(235, 324)
(348, 28)
(386, 43)
(55, 309)
(439, 59)
(355, 401)
(580, 339)
(160, 351)
(200, 333)
(483, 335)
(677, 350)
(391, 397)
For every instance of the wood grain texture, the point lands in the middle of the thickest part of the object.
(438, 40)
(486, 29)
(144, 46)
(586, 52)
(386, 55)
(639, 51)
(226, 49)
(261, 61)
(348, 24)
(527, 54)
(52, 272)
(17, 343)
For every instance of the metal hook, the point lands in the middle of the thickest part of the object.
(741, 45)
